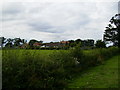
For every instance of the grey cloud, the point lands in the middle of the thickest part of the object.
(12, 8)
(12, 11)
(58, 21)
(44, 27)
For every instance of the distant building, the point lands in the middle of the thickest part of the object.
(55, 44)
(64, 43)
(37, 44)
(52, 44)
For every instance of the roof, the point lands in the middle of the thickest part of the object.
(64, 42)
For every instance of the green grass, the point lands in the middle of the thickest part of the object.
(35, 68)
(103, 76)
(48, 68)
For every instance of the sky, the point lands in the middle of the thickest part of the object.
(55, 21)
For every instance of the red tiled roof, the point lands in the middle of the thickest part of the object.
(64, 42)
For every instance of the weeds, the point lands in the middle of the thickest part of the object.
(50, 69)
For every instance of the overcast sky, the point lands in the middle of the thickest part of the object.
(54, 21)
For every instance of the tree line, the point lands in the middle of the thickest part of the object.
(17, 43)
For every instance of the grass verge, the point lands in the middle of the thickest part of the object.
(103, 76)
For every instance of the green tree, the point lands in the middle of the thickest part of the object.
(23, 41)
(31, 42)
(112, 32)
(17, 42)
(72, 43)
(78, 41)
(100, 44)
(9, 43)
(2, 41)
(87, 43)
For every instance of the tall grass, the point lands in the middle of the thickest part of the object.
(31, 69)
(47, 69)
(96, 56)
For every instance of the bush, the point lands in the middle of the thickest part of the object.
(94, 57)
(77, 53)
(38, 69)
(29, 69)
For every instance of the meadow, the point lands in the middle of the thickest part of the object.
(48, 68)
(102, 76)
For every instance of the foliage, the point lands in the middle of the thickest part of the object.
(2, 41)
(112, 32)
(18, 43)
(82, 43)
(31, 42)
(77, 52)
(47, 68)
(97, 77)
(11, 43)
(32, 69)
(100, 44)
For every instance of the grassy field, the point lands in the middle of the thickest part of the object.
(103, 76)
(48, 68)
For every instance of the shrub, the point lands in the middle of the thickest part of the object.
(77, 53)
(38, 69)
(29, 69)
